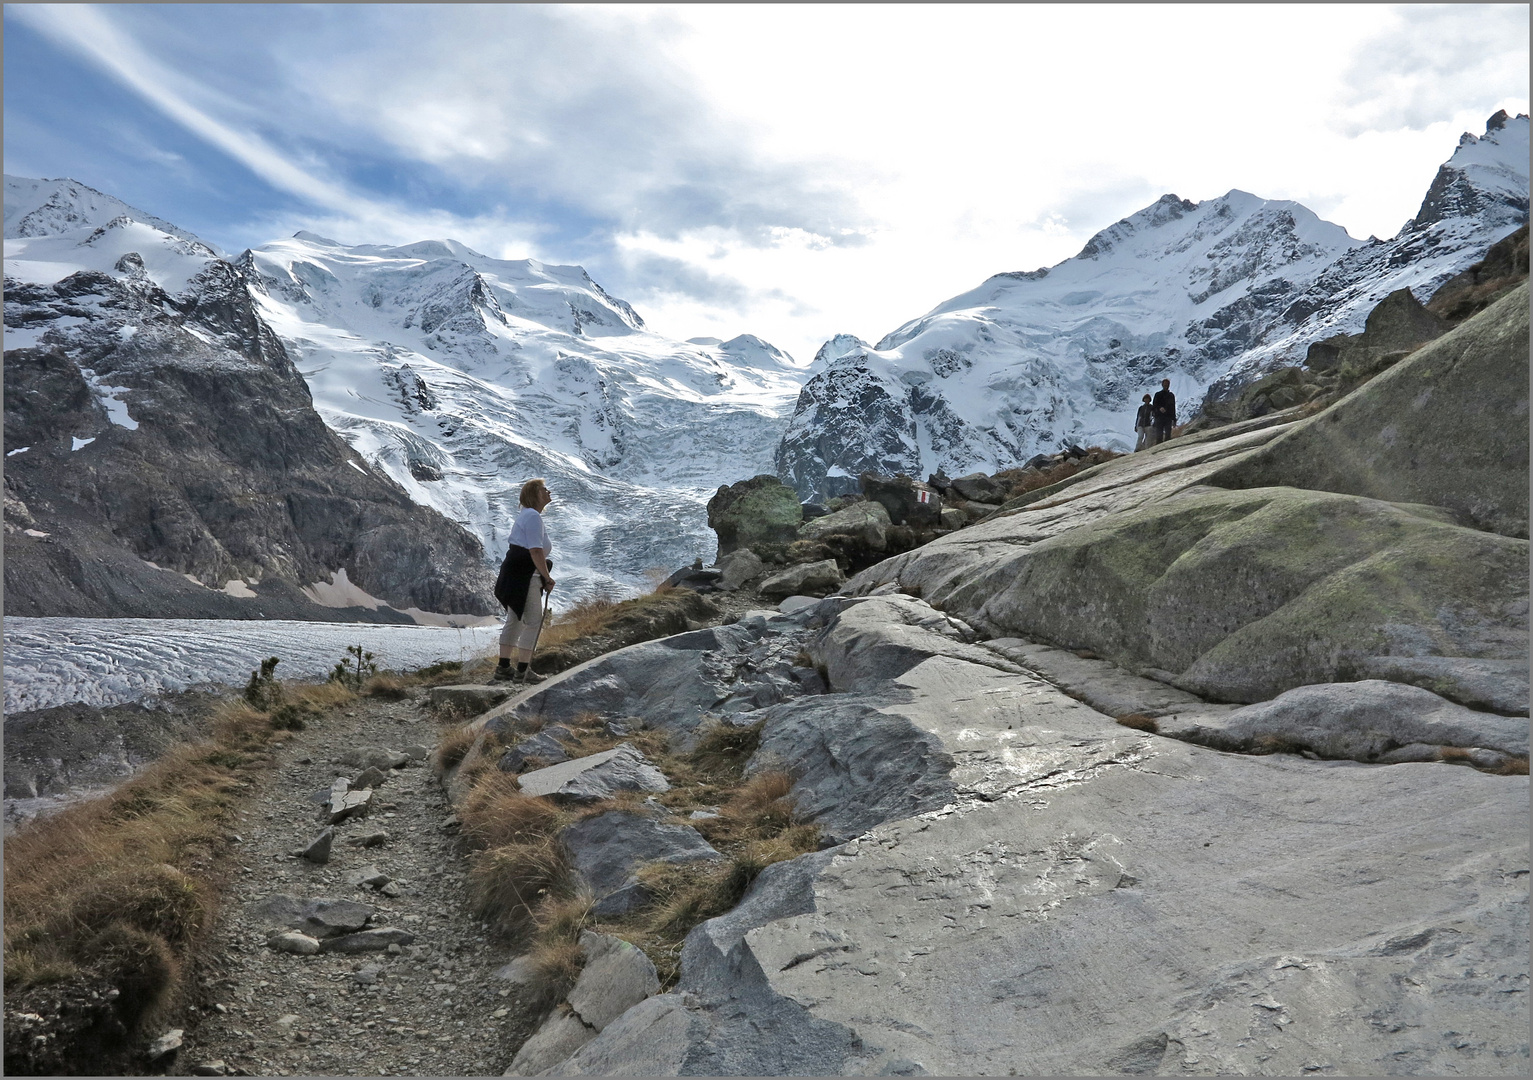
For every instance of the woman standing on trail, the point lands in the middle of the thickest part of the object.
(523, 578)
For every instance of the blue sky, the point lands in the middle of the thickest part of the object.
(792, 172)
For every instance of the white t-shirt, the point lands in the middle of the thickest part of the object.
(528, 531)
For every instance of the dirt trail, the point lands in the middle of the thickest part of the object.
(433, 1008)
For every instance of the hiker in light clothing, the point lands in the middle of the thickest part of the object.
(1143, 423)
(524, 577)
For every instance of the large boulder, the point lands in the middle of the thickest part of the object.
(738, 567)
(867, 520)
(761, 510)
(909, 502)
(979, 487)
(1447, 426)
(806, 579)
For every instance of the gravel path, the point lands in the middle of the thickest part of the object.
(433, 1008)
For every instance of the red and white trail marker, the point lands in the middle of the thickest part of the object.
(923, 496)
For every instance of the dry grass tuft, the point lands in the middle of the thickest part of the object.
(1517, 766)
(1139, 722)
(496, 813)
(120, 888)
(1021, 481)
(596, 615)
(325, 695)
(389, 687)
(507, 883)
(453, 748)
(724, 749)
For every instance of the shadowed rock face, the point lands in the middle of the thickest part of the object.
(177, 431)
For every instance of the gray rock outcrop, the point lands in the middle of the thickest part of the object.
(605, 850)
(1361, 721)
(1446, 427)
(1238, 877)
(954, 936)
(1240, 592)
(805, 579)
(595, 777)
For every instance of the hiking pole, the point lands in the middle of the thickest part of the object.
(548, 599)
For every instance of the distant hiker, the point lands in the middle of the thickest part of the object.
(1143, 425)
(523, 578)
(1164, 406)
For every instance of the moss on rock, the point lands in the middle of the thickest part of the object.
(1249, 593)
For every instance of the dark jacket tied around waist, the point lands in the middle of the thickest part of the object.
(516, 572)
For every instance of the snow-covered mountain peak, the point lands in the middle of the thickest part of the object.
(1165, 209)
(842, 345)
(462, 375)
(751, 351)
(36, 207)
(1487, 177)
(1205, 294)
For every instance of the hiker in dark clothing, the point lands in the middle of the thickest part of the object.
(1143, 425)
(1163, 405)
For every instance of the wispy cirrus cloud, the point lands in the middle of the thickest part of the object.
(791, 171)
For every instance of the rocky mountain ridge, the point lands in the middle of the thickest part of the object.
(1211, 295)
(454, 376)
(163, 456)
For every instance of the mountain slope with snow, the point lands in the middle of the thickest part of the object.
(461, 376)
(163, 454)
(1207, 294)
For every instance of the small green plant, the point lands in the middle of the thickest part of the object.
(290, 717)
(263, 691)
(356, 669)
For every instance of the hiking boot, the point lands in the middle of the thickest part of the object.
(528, 677)
(502, 674)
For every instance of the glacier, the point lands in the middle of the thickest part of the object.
(57, 661)
(462, 376)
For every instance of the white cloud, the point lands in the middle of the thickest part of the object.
(798, 171)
